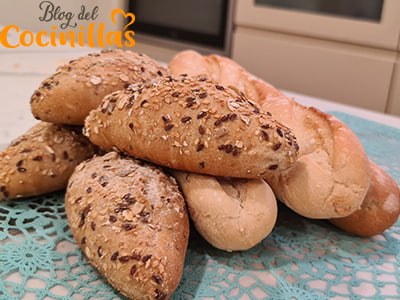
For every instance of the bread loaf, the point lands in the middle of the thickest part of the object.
(78, 87)
(331, 177)
(41, 160)
(379, 210)
(192, 124)
(130, 220)
(230, 213)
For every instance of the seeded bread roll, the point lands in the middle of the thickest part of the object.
(379, 210)
(230, 213)
(130, 220)
(331, 177)
(195, 125)
(78, 87)
(41, 160)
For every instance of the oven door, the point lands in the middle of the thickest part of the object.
(311, 20)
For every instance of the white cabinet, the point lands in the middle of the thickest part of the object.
(348, 61)
(340, 72)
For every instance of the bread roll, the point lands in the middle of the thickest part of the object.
(78, 87)
(41, 160)
(230, 213)
(330, 178)
(130, 220)
(193, 124)
(379, 210)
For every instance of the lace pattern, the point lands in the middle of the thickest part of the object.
(301, 259)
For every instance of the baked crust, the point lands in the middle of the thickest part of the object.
(232, 214)
(330, 177)
(76, 88)
(130, 220)
(192, 124)
(41, 160)
(379, 210)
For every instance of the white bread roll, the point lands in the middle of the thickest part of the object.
(331, 177)
(379, 210)
(130, 220)
(192, 124)
(230, 213)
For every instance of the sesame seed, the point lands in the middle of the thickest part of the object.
(228, 148)
(124, 259)
(276, 146)
(186, 119)
(128, 226)
(157, 279)
(203, 95)
(175, 94)
(264, 135)
(114, 256)
(202, 130)
(168, 127)
(133, 270)
(200, 147)
(201, 114)
(136, 256)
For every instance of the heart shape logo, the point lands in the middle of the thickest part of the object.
(126, 15)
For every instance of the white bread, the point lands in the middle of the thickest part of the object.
(42, 159)
(230, 213)
(379, 210)
(76, 88)
(192, 124)
(130, 220)
(331, 177)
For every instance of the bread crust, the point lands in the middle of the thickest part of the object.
(232, 214)
(192, 124)
(41, 160)
(130, 220)
(379, 210)
(76, 88)
(330, 177)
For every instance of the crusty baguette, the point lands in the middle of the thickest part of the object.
(192, 124)
(379, 210)
(230, 213)
(130, 220)
(41, 160)
(331, 177)
(78, 87)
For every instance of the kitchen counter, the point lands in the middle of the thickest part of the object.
(302, 259)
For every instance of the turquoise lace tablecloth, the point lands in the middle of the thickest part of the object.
(301, 259)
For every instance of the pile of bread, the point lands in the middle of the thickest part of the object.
(135, 143)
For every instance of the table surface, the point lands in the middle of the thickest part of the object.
(22, 70)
